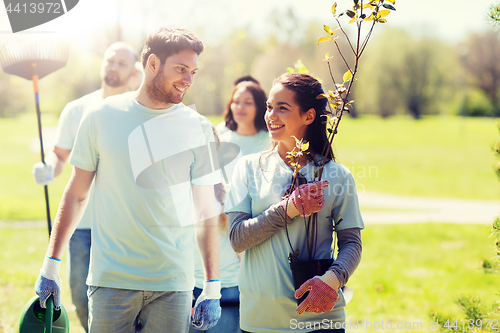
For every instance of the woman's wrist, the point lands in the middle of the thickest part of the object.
(289, 208)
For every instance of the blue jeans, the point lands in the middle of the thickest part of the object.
(78, 267)
(128, 311)
(229, 321)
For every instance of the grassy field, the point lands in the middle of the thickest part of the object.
(433, 157)
(406, 272)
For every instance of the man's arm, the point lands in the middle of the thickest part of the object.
(207, 230)
(71, 208)
(54, 165)
(207, 309)
(59, 157)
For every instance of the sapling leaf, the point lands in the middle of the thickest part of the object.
(350, 13)
(391, 7)
(347, 76)
(305, 146)
(383, 13)
(334, 8)
(324, 39)
(290, 70)
(382, 21)
(328, 30)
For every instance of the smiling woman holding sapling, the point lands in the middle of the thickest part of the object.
(265, 223)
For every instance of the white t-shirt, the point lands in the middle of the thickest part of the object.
(67, 127)
(267, 301)
(142, 212)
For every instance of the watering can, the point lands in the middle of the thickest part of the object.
(35, 319)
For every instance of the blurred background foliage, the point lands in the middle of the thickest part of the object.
(401, 74)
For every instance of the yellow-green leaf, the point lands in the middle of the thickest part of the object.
(382, 21)
(290, 70)
(383, 13)
(305, 146)
(328, 30)
(324, 39)
(352, 21)
(347, 76)
(334, 8)
(368, 5)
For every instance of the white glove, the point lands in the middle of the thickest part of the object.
(49, 282)
(207, 310)
(43, 173)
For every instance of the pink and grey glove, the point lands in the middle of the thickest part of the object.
(322, 293)
(305, 200)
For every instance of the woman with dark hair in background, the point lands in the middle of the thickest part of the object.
(257, 221)
(244, 117)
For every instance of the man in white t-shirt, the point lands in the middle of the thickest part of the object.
(155, 164)
(117, 69)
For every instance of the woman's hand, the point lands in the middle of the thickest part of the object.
(322, 293)
(305, 200)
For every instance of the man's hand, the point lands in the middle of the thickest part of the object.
(43, 173)
(49, 282)
(322, 293)
(207, 309)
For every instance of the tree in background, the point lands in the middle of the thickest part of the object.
(406, 75)
(483, 67)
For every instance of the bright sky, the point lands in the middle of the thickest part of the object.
(451, 20)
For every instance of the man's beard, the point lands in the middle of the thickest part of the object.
(113, 81)
(156, 90)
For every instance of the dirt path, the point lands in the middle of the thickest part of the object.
(419, 210)
(379, 208)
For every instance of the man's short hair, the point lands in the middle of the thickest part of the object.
(167, 41)
(123, 46)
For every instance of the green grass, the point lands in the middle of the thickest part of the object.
(20, 197)
(21, 255)
(447, 157)
(433, 157)
(406, 272)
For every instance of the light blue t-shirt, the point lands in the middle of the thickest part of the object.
(142, 212)
(267, 301)
(67, 127)
(248, 144)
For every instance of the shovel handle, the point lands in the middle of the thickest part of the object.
(49, 315)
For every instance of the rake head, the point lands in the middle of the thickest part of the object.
(17, 57)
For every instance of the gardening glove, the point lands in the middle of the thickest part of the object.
(305, 200)
(207, 308)
(44, 173)
(322, 293)
(49, 282)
